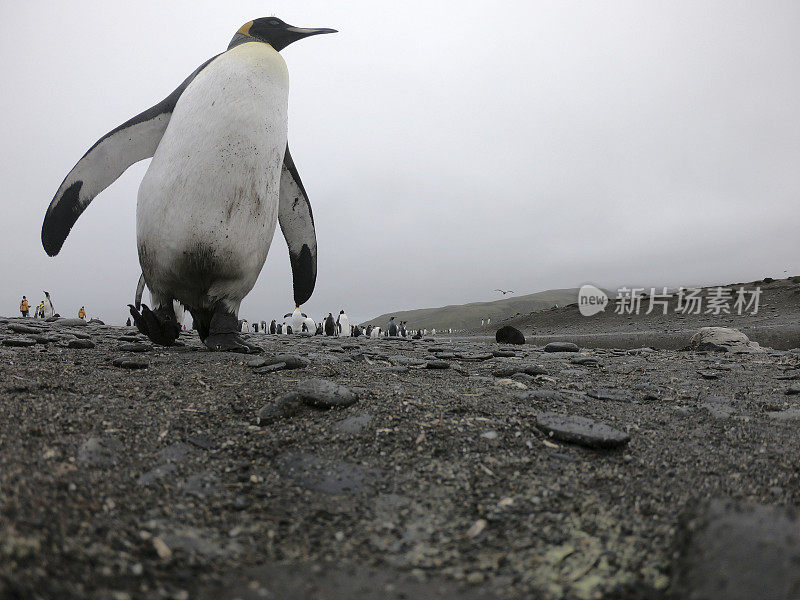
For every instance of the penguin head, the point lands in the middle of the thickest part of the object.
(274, 32)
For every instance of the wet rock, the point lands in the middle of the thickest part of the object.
(129, 362)
(202, 441)
(561, 347)
(584, 360)
(279, 366)
(509, 335)
(793, 389)
(71, 323)
(406, 361)
(325, 475)
(46, 339)
(175, 453)
(737, 552)
(25, 329)
(790, 414)
(19, 342)
(283, 408)
(504, 353)
(611, 395)
(202, 484)
(290, 361)
(393, 369)
(322, 393)
(136, 347)
(437, 364)
(720, 407)
(528, 369)
(81, 344)
(353, 425)
(580, 430)
(156, 474)
(722, 339)
(99, 451)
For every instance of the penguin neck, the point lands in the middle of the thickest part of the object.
(240, 38)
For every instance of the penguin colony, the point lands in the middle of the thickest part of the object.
(220, 179)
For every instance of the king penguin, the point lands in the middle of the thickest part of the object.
(297, 318)
(220, 178)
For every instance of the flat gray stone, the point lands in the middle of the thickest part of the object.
(325, 475)
(81, 344)
(580, 430)
(283, 408)
(733, 551)
(793, 389)
(99, 451)
(154, 475)
(290, 361)
(722, 339)
(19, 342)
(720, 407)
(611, 395)
(136, 347)
(129, 362)
(511, 369)
(25, 329)
(406, 361)
(561, 347)
(71, 323)
(353, 425)
(322, 393)
(437, 364)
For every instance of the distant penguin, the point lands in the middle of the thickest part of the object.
(288, 329)
(330, 325)
(368, 332)
(255, 327)
(263, 327)
(401, 331)
(243, 326)
(343, 323)
(418, 335)
(356, 331)
(309, 324)
(220, 178)
(128, 324)
(273, 328)
(376, 332)
(49, 310)
(392, 328)
(433, 331)
(297, 318)
(320, 330)
(279, 328)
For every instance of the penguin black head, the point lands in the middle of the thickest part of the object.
(274, 32)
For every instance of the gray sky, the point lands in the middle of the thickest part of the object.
(448, 148)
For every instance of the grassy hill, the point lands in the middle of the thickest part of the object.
(468, 316)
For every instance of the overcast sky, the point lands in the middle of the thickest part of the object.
(448, 148)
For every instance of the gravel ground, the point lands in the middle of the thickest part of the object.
(133, 471)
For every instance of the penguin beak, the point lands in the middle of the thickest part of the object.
(301, 32)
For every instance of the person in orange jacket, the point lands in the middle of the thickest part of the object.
(82, 313)
(24, 307)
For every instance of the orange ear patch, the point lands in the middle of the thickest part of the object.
(245, 29)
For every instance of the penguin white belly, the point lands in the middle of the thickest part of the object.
(208, 204)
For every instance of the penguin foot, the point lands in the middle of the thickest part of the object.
(160, 325)
(230, 342)
(223, 335)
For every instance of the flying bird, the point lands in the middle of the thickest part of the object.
(504, 292)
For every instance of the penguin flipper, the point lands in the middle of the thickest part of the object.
(297, 225)
(139, 291)
(103, 163)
